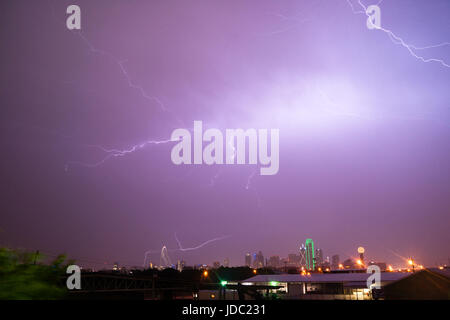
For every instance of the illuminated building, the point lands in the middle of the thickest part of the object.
(293, 259)
(319, 257)
(335, 262)
(180, 265)
(248, 260)
(310, 258)
(302, 256)
(258, 261)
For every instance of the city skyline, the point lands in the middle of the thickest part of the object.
(87, 117)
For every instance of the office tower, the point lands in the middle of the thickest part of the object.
(319, 257)
(274, 262)
(180, 265)
(302, 256)
(293, 259)
(259, 260)
(335, 262)
(310, 258)
(248, 260)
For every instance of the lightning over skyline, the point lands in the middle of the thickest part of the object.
(88, 114)
(165, 251)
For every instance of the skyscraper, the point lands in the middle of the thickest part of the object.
(335, 262)
(180, 265)
(310, 258)
(259, 260)
(248, 260)
(274, 261)
(302, 256)
(319, 257)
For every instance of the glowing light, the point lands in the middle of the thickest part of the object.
(361, 250)
(205, 273)
(341, 266)
(255, 271)
(390, 269)
(274, 283)
(410, 262)
(223, 283)
(359, 262)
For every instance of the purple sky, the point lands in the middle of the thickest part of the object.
(364, 128)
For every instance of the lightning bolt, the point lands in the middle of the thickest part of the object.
(399, 41)
(180, 247)
(248, 186)
(121, 65)
(111, 153)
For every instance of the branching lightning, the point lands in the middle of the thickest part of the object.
(121, 65)
(116, 152)
(180, 247)
(248, 186)
(399, 41)
(164, 251)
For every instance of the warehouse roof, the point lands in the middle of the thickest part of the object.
(326, 277)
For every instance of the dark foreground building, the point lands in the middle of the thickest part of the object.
(428, 284)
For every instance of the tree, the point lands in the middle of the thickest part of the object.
(23, 276)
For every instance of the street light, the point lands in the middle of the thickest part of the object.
(411, 263)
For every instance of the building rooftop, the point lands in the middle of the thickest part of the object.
(326, 277)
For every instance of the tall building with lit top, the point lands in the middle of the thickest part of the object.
(310, 257)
